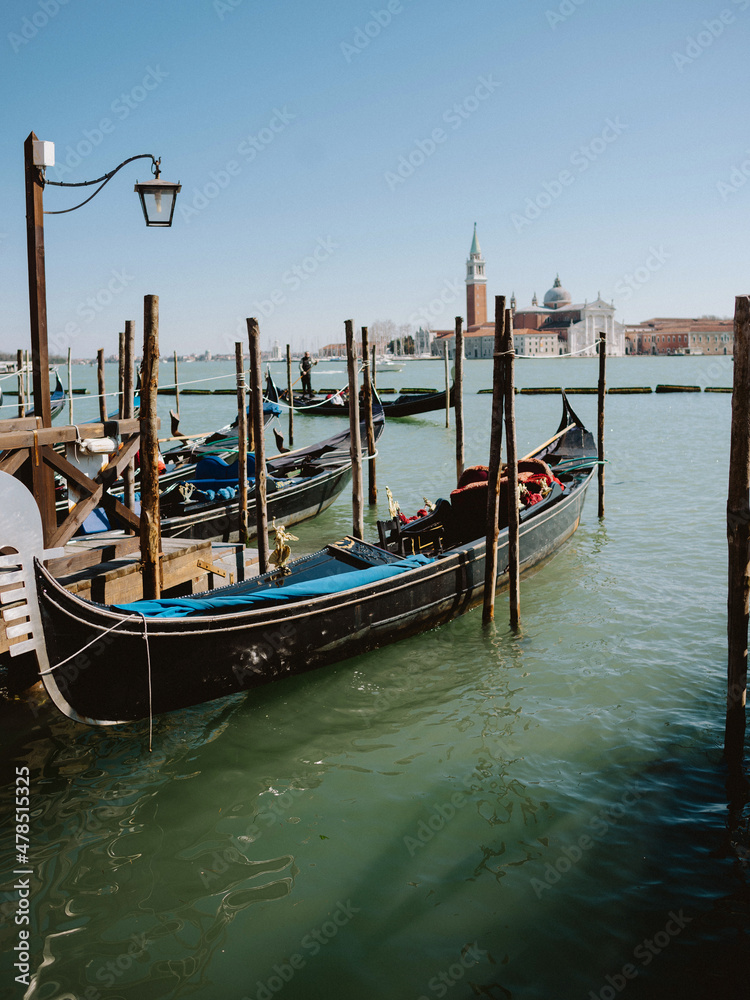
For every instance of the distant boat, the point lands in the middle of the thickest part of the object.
(406, 404)
(300, 484)
(57, 400)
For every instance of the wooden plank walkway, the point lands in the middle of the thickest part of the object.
(106, 568)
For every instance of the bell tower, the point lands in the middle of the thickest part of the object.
(476, 285)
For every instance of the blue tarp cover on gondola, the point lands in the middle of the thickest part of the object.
(180, 607)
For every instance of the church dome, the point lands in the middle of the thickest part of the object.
(557, 297)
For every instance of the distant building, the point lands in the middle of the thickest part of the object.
(557, 327)
(578, 327)
(423, 341)
(683, 336)
(536, 344)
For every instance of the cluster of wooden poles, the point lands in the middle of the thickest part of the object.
(503, 408)
(503, 405)
(23, 371)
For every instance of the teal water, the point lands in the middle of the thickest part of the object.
(467, 813)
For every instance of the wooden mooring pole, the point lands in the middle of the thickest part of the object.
(70, 387)
(447, 385)
(372, 487)
(27, 370)
(176, 388)
(514, 573)
(458, 390)
(600, 427)
(493, 476)
(129, 407)
(120, 374)
(101, 386)
(738, 536)
(149, 451)
(355, 444)
(239, 363)
(259, 444)
(290, 394)
(21, 384)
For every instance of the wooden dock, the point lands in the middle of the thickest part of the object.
(108, 569)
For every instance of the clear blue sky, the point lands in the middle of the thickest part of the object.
(590, 138)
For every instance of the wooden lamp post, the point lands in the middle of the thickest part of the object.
(157, 200)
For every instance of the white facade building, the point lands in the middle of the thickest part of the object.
(597, 318)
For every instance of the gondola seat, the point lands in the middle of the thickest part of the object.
(470, 509)
(469, 499)
(474, 474)
(428, 535)
(534, 466)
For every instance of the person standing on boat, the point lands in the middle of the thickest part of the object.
(306, 367)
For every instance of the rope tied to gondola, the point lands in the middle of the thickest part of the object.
(122, 621)
(83, 649)
(150, 694)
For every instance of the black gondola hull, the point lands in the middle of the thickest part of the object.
(197, 659)
(289, 505)
(407, 405)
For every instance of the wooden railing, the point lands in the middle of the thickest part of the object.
(26, 448)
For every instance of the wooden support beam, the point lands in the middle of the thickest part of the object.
(290, 394)
(70, 385)
(239, 363)
(514, 575)
(23, 436)
(150, 528)
(129, 408)
(119, 512)
(458, 387)
(13, 462)
(256, 388)
(43, 481)
(447, 385)
(372, 487)
(37, 282)
(120, 375)
(738, 538)
(176, 387)
(495, 464)
(355, 445)
(21, 394)
(101, 384)
(602, 389)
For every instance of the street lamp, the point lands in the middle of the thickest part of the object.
(157, 199)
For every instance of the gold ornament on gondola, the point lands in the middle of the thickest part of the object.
(280, 555)
(393, 508)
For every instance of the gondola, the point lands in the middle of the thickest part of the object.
(105, 665)
(180, 460)
(201, 500)
(299, 484)
(56, 399)
(406, 404)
